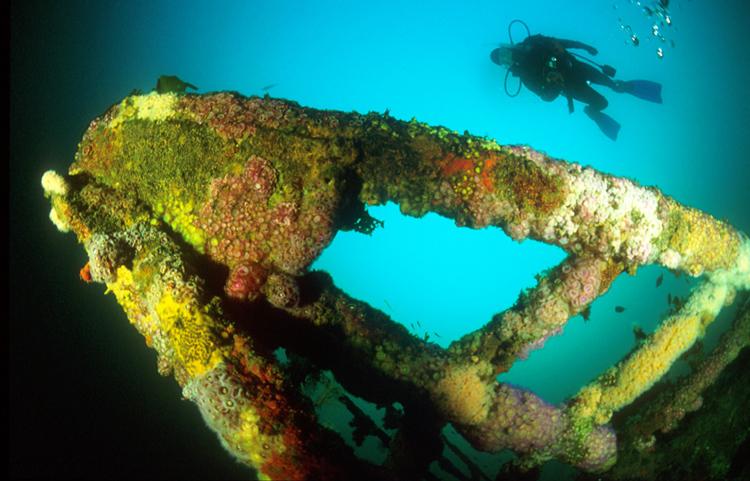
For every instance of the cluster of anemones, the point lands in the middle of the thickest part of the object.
(581, 280)
(519, 420)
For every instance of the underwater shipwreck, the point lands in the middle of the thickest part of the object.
(202, 213)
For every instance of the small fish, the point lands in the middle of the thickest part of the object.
(172, 84)
(388, 305)
(268, 87)
(619, 309)
(659, 280)
(669, 299)
(586, 313)
(412, 327)
(639, 333)
(419, 325)
(678, 302)
(436, 334)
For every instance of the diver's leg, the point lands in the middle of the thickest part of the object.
(596, 103)
(583, 92)
(594, 75)
(644, 89)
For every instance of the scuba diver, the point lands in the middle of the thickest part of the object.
(546, 67)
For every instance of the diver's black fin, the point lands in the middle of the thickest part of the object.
(609, 70)
(609, 126)
(643, 89)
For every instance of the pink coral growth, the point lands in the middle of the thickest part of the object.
(224, 112)
(236, 207)
(245, 281)
(246, 219)
(582, 282)
(537, 344)
(261, 177)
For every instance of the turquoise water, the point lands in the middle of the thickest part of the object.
(71, 60)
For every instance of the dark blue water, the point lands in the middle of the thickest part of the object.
(85, 396)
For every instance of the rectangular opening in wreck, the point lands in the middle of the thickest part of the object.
(437, 280)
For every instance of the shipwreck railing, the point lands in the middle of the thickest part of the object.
(203, 213)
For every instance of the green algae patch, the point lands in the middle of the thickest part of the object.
(167, 164)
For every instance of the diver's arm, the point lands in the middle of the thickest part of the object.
(576, 44)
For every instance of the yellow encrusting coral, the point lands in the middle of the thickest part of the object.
(181, 215)
(618, 387)
(183, 322)
(152, 106)
(695, 236)
(464, 394)
(125, 292)
(190, 331)
(648, 364)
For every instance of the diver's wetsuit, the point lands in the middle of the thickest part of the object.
(545, 66)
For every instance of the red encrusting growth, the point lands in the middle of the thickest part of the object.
(488, 180)
(85, 273)
(453, 164)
